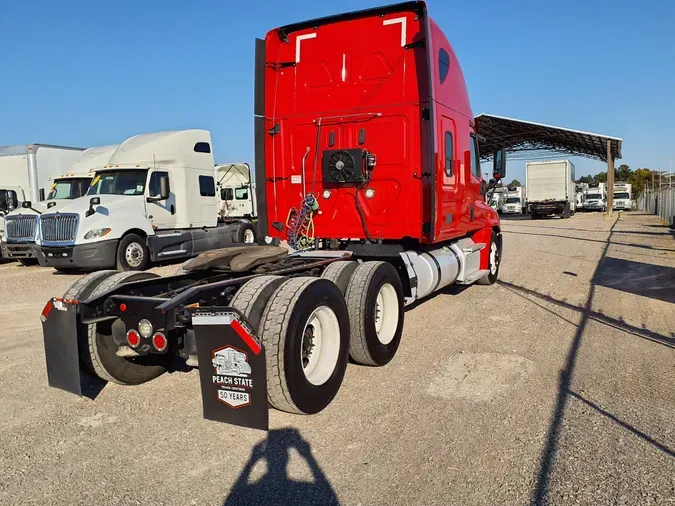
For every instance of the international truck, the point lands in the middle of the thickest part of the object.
(623, 196)
(26, 171)
(515, 201)
(22, 224)
(595, 198)
(550, 188)
(367, 160)
(154, 200)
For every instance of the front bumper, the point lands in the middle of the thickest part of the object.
(97, 255)
(512, 211)
(19, 250)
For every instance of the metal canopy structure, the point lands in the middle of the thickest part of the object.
(517, 135)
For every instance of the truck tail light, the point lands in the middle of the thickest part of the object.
(133, 338)
(159, 341)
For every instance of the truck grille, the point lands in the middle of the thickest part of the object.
(58, 228)
(20, 228)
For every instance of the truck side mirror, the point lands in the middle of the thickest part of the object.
(26, 204)
(499, 167)
(50, 204)
(164, 189)
(94, 201)
(42, 194)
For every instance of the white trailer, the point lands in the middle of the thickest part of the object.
(154, 200)
(25, 171)
(497, 199)
(623, 196)
(595, 198)
(550, 188)
(21, 225)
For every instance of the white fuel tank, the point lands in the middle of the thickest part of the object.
(433, 270)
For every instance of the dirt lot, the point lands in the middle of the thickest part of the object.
(554, 386)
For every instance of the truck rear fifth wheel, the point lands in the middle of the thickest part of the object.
(305, 331)
(375, 302)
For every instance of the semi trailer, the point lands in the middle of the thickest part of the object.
(21, 225)
(26, 171)
(367, 162)
(155, 199)
(550, 188)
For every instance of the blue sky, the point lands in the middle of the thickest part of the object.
(90, 73)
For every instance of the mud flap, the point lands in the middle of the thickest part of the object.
(62, 332)
(232, 368)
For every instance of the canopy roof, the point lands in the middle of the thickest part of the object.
(517, 135)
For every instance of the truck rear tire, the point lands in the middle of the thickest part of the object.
(246, 234)
(132, 253)
(375, 301)
(254, 295)
(340, 273)
(100, 351)
(494, 259)
(305, 331)
(83, 287)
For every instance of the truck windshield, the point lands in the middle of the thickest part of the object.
(513, 200)
(69, 188)
(593, 196)
(621, 196)
(119, 182)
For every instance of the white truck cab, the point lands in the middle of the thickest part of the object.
(154, 200)
(595, 198)
(623, 197)
(21, 225)
(26, 171)
(514, 200)
(236, 193)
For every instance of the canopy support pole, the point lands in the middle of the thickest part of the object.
(610, 179)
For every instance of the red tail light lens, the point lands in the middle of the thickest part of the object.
(133, 338)
(159, 341)
(123, 307)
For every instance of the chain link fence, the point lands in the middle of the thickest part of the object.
(660, 202)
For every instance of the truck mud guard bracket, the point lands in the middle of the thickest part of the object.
(232, 368)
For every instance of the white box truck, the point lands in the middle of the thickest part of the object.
(21, 224)
(595, 198)
(155, 200)
(550, 188)
(25, 171)
(623, 196)
(514, 200)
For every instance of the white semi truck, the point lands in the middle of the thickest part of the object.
(154, 200)
(595, 198)
(21, 224)
(623, 196)
(515, 200)
(25, 173)
(497, 199)
(550, 188)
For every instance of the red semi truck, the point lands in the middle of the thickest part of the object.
(367, 162)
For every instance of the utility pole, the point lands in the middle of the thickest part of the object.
(610, 179)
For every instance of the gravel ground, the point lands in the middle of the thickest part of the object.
(554, 386)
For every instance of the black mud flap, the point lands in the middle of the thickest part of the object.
(232, 368)
(63, 331)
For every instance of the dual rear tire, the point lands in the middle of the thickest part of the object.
(310, 326)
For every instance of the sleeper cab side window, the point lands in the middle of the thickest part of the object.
(475, 158)
(449, 154)
(443, 65)
(207, 187)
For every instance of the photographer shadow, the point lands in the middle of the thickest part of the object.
(275, 486)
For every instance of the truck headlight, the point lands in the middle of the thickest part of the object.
(96, 233)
